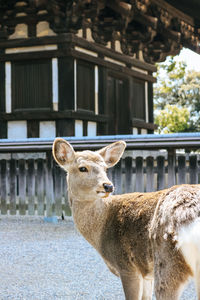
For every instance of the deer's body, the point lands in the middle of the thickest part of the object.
(140, 236)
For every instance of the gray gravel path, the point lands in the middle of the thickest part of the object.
(42, 261)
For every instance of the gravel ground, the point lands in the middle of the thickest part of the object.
(43, 261)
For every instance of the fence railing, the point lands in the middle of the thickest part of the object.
(37, 186)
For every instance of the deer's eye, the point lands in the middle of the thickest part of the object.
(83, 169)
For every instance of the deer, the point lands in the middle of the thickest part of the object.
(150, 240)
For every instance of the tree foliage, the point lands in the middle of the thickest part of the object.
(177, 93)
(172, 119)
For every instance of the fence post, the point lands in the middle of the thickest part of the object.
(22, 187)
(181, 169)
(40, 186)
(193, 169)
(160, 172)
(171, 167)
(3, 192)
(13, 179)
(50, 205)
(117, 177)
(128, 175)
(139, 183)
(150, 174)
(31, 187)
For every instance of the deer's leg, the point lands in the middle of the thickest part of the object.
(197, 280)
(132, 285)
(147, 289)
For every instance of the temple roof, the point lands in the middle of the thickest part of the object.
(155, 28)
(191, 8)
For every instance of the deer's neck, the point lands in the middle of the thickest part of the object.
(89, 218)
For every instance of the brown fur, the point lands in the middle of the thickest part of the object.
(134, 233)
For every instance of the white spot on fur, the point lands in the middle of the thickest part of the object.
(188, 239)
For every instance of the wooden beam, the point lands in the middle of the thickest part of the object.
(50, 115)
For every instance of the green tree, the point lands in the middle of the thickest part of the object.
(172, 119)
(177, 87)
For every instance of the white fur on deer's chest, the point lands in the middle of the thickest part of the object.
(188, 239)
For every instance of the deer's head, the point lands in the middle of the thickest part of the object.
(86, 170)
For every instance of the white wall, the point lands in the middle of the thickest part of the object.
(17, 130)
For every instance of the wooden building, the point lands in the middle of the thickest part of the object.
(84, 67)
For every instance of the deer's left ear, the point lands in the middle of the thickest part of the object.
(112, 153)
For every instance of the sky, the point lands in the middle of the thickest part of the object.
(191, 58)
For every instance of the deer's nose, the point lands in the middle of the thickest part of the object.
(108, 187)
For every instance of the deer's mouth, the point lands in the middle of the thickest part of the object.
(103, 194)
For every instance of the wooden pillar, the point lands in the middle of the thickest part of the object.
(181, 169)
(3, 184)
(150, 174)
(40, 186)
(193, 169)
(139, 184)
(171, 167)
(128, 175)
(22, 187)
(160, 172)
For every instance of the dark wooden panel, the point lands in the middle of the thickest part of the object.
(139, 183)
(65, 127)
(117, 106)
(85, 86)
(122, 107)
(66, 83)
(22, 187)
(110, 105)
(181, 169)
(2, 86)
(31, 187)
(160, 172)
(85, 125)
(138, 99)
(193, 169)
(32, 128)
(128, 175)
(3, 129)
(150, 102)
(4, 187)
(50, 203)
(32, 84)
(171, 167)
(40, 188)
(102, 129)
(117, 177)
(13, 186)
(102, 89)
(150, 174)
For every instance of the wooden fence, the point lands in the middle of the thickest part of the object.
(38, 186)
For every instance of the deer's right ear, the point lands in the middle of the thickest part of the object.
(63, 152)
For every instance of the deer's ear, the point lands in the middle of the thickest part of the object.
(112, 153)
(63, 152)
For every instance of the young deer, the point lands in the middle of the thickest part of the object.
(140, 236)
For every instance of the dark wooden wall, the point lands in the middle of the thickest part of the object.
(85, 86)
(32, 84)
(121, 88)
